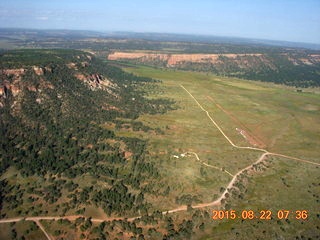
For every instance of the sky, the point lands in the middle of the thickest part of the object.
(286, 20)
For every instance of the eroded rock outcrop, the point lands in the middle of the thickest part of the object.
(250, 60)
(38, 70)
(72, 65)
(96, 81)
(12, 84)
(175, 59)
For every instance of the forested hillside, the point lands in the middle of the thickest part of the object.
(60, 155)
(54, 105)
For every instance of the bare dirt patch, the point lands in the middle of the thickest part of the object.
(127, 154)
(248, 137)
(310, 107)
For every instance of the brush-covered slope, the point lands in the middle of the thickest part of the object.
(56, 154)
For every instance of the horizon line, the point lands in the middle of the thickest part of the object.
(172, 33)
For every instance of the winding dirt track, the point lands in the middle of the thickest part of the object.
(216, 202)
(208, 165)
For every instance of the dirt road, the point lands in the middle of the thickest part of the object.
(216, 202)
(207, 165)
(43, 230)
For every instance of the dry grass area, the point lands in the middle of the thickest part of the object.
(285, 120)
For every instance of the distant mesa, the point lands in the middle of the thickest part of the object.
(239, 59)
(295, 68)
(175, 59)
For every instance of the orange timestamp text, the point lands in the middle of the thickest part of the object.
(261, 215)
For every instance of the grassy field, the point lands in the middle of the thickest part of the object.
(284, 120)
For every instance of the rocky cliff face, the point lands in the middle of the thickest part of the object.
(298, 68)
(96, 81)
(220, 62)
(12, 84)
(240, 59)
(176, 59)
(34, 78)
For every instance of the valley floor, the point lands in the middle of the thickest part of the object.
(204, 153)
